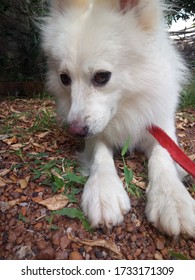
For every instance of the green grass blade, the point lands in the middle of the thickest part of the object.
(126, 147)
(128, 175)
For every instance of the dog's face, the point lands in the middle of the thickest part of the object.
(93, 58)
(89, 77)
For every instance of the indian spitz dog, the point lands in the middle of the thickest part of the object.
(114, 73)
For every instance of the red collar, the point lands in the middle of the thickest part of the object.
(176, 153)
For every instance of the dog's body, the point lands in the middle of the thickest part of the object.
(114, 73)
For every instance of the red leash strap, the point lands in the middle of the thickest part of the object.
(176, 153)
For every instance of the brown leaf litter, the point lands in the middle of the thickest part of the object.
(29, 230)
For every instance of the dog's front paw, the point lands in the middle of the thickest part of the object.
(171, 208)
(104, 200)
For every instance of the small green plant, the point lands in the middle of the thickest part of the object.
(17, 166)
(193, 187)
(177, 256)
(74, 213)
(50, 221)
(21, 217)
(38, 155)
(61, 174)
(44, 121)
(131, 188)
(19, 153)
(9, 123)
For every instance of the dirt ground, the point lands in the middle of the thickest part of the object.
(40, 191)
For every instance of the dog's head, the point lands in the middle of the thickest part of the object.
(95, 49)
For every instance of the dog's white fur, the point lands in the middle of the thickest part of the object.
(129, 39)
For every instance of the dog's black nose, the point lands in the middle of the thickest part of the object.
(78, 131)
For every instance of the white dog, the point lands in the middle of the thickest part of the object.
(114, 72)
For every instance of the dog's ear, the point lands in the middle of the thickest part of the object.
(147, 12)
(61, 5)
(127, 4)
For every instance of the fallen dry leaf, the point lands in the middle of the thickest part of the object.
(10, 141)
(2, 182)
(181, 135)
(26, 146)
(4, 172)
(24, 182)
(23, 252)
(192, 157)
(42, 135)
(55, 202)
(13, 202)
(14, 111)
(180, 126)
(14, 178)
(38, 145)
(56, 174)
(23, 118)
(5, 205)
(139, 182)
(16, 146)
(49, 149)
(18, 190)
(99, 243)
(8, 181)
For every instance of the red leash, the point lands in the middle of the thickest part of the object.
(176, 153)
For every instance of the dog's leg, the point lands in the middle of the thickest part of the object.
(104, 199)
(169, 207)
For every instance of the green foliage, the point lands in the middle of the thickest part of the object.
(21, 217)
(128, 175)
(183, 9)
(50, 221)
(188, 95)
(131, 188)
(19, 153)
(74, 213)
(44, 120)
(178, 256)
(20, 39)
(60, 176)
(9, 123)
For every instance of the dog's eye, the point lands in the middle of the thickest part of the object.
(101, 78)
(65, 79)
